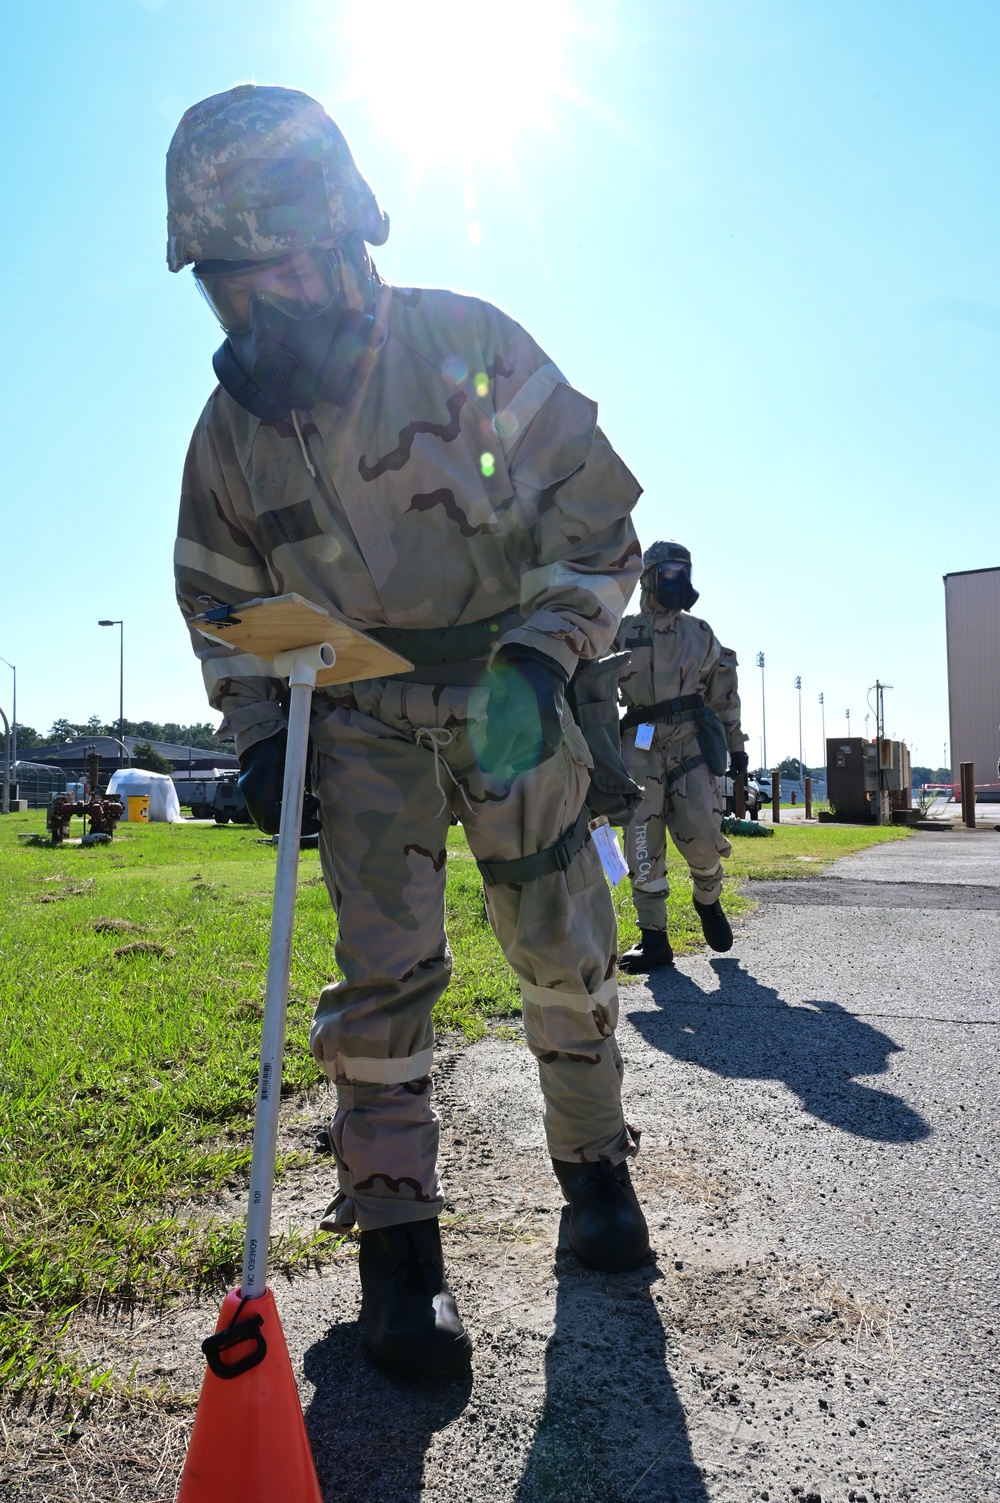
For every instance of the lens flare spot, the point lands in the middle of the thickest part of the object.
(482, 383)
(455, 369)
(487, 464)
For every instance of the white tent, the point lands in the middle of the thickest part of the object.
(135, 781)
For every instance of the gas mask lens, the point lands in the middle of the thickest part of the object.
(299, 286)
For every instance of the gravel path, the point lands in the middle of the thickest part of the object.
(819, 1114)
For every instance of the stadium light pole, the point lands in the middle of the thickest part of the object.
(13, 725)
(802, 773)
(763, 711)
(121, 684)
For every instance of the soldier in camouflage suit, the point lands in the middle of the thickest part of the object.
(414, 463)
(682, 713)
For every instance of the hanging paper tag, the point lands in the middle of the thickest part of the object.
(610, 852)
(643, 737)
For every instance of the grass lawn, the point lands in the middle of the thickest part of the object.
(131, 991)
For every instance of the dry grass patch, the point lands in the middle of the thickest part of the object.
(777, 1314)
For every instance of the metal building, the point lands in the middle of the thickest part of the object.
(972, 620)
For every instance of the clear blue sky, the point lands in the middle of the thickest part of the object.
(764, 236)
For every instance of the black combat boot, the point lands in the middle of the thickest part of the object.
(714, 925)
(652, 952)
(607, 1229)
(411, 1319)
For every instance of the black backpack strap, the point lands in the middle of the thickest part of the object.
(687, 765)
(554, 858)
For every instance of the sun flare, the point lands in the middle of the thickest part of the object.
(459, 81)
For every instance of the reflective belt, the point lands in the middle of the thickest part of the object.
(554, 858)
(664, 711)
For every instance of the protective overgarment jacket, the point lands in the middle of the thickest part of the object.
(465, 481)
(675, 655)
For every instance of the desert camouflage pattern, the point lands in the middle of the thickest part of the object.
(465, 480)
(390, 773)
(259, 172)
(665, 551)
(675, 653)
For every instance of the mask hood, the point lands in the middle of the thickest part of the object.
(283, 364)
(676, 594)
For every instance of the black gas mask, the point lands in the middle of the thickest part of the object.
(672, 588)
(292, 339)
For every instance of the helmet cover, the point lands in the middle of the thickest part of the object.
(665, 552)
(259, 172)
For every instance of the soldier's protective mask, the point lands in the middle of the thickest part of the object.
(292, 338)
(672, 587)
(299, 286)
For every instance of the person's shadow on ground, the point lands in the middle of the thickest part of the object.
(612, 1429)
(369, 1433)
(744, 1031)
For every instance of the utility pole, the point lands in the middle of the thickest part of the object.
(879, 737)
(848, 722)
(13, 725)
(5, 797)
(802, 770)
(822, 711)
(763, 711)
(121, 685)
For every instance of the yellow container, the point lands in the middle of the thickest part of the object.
(138, 808)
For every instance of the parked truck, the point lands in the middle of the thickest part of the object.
(216, 797)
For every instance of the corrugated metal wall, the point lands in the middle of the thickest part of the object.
(972, 617)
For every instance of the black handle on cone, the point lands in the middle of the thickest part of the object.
(234, 1335)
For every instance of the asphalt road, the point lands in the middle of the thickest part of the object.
(819, 1167)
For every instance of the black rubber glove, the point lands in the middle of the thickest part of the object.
(262, 772)
(524, 711)
(738, 763)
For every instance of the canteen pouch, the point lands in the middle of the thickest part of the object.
(592, 695)
(711, 734)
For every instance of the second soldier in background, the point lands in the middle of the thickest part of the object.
(681, 732)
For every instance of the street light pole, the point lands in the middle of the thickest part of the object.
(802, 774)
(763, 711)
(13, 728)
(121, 683)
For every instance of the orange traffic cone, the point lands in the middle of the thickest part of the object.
(249, 1442)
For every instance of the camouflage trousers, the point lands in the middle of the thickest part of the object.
(390, 769)
(689, 806)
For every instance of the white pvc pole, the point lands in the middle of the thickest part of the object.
(300, 667)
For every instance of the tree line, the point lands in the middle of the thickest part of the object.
(201, 734)
(789, 768)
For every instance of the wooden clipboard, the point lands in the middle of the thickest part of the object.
(285, 622)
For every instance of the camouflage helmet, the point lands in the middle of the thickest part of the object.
(258, 172)
(665, 552)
